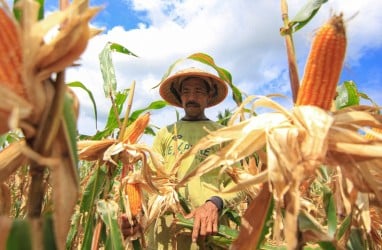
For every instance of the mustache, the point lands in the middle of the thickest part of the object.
(192, 103)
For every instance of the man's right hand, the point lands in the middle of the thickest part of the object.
(205, 220)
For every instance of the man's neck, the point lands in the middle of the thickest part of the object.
(195, 119)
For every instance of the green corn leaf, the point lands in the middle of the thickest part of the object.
(306, 13)
(268, 246)
(70, 125)
(108, 210)
(48, 229)
(330, 210)
(306, 223)
(8, 138)
(90, 196)
(347, 95)
(152, 106)
(327, 245)
(223, 74)
(89, 229)
(93, 189)
(108, 72)
(267, 225)
(90, 94)
(355, 240)
(17, 12)
(169, 70)
(222, 231)
(112, 122)
(208, 60)
(366, 97)
(75, 221)
(344, 227)
(113, 119)
(120, 49)
(20, 230)
(107, 67)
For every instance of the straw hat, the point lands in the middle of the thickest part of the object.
(170, 87)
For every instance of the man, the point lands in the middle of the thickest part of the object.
(193, 90)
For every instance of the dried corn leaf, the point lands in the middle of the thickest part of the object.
(297, 143)
(68, 46)
(13, 109)
(65, 192)
(241, 140)
(252, 226)
(42, 57)
(245, 180)
(5, 199)
(93, 150)
(11, 158)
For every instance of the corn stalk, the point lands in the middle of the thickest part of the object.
(48, 144)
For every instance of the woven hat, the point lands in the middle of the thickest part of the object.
(170, 87)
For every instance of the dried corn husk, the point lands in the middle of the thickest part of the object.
(297, 142)
(31, 104)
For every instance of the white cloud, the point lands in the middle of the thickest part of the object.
(242, 36)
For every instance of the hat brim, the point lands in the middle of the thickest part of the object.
(172, 83)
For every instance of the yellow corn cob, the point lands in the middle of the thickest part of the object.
(324, 65)
(133, 191)
(11, 55)
(10, 63)
(135, 129)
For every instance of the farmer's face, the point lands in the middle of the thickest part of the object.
(195, 97)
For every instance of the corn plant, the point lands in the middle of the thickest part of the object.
(43, 112)
(318, 177)
(112, 160)
(312, 176)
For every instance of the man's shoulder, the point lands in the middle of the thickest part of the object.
(179, 125)
(214, 124)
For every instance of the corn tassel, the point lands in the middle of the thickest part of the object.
(324, 65)
(134, 195)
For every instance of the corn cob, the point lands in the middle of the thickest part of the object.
(133, 190)
(134, 195)
(135, 129)
(10, 63)
(324, 65)
(11, 55)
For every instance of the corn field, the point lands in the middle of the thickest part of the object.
(312, 175)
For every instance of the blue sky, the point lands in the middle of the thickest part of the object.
(242, 36)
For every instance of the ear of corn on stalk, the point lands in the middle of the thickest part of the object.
(134, 195)
(133, 190)
(324, 65)
(10, 62)
(136, 129)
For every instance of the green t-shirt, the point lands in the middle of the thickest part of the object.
(171, 144)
